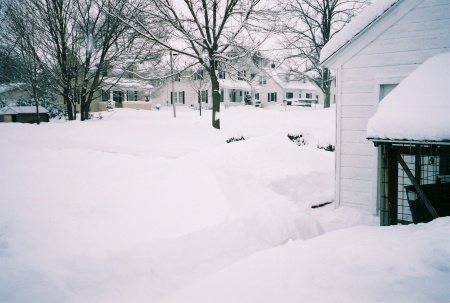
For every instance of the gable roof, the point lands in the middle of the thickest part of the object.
(275, 74)
(371, 14)
(14, 110)
(418, 108)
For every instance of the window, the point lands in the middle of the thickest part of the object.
(177, 77)
(222, 92)
(117, 96)
(177, 97)
(132, 95)
(104, 71)
(105, 95)
(241, 75)
(385, 89)
(300, 95)
(256, 96)
(221, 74)
(262, 80)
(272, 97)
(198, 75)
(203, 96)
(308, 96)
(289, 95)
(317, 97)
(130, 73)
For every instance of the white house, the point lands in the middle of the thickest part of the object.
(370, 57)
(194, 88)
(274, 85)
(242, 87)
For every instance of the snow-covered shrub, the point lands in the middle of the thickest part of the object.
(298, 139)
(328, 147)
(235, 139)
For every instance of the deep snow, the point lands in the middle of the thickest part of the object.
(141, 207)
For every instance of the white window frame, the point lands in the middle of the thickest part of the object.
(178, 97)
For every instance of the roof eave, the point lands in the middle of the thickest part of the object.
(410, 141)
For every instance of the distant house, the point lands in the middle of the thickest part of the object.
(23, 114)
(239, 87)
(373, 54)
(274, 85)
(193, 88)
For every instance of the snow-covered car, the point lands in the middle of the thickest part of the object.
(258, 103)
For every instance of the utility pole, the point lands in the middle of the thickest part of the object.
(172, 96)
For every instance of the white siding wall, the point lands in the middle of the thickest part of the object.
(271, 87)
(388, 59)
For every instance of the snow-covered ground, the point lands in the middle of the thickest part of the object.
(141, 207)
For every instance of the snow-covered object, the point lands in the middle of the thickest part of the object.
(21, 110)
(419, 107)
(362, 264)
(369, 15)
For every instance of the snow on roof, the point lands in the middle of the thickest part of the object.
(289, 84)
(231, 84)
(127, 84)
(22, 110)
(418, 109)
(367, 17)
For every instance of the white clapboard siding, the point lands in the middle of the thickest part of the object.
(384, 54)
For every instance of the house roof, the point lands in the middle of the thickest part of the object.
(372, 13)
(418, 108)
(14, 110)
(127, 84)
(231, 84)
(275, 74)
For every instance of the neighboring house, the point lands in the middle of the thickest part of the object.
(124, 93)
(274, 85)
(23, 114)
(242, 87)
(13, 91)
(370, 57)
(192, 88)
(120, 90)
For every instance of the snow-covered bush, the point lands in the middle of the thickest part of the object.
(235, 139)
(298, 139)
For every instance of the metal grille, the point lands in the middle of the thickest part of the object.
(424, 162)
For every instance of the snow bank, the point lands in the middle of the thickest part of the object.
(132, 207)
(418, 108)
(369, 15)
(361, 264)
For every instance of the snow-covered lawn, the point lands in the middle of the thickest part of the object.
(141, 207)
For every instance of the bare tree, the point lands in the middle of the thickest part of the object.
(205, 32)
(307, 25)
(73, 42)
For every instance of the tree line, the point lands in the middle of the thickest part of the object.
(62, 47)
